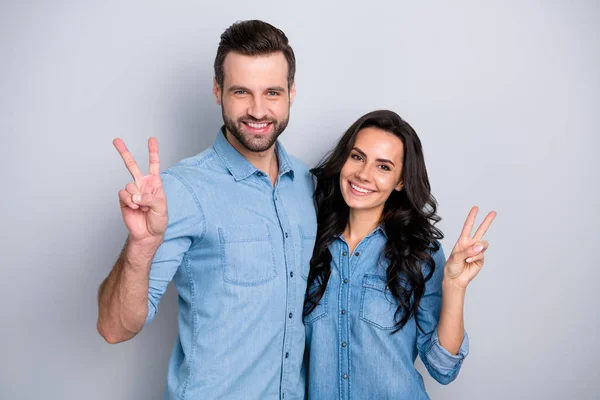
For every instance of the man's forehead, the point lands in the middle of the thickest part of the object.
(267, 70)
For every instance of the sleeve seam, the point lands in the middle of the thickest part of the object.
(196, 202)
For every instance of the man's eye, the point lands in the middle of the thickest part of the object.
(273, 93)
(239, 92)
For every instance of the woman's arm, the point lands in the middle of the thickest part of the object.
(464, 263)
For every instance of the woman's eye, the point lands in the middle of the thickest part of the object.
(356, 157)
(385, 167)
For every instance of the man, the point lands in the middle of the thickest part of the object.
(237, 240)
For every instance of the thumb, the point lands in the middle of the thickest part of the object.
(470, 252)
(477, 248)
(154, 203)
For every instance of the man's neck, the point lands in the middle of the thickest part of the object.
(265, 160)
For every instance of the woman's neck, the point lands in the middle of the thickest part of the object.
(360, 224)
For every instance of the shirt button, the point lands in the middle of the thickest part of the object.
(345, 280)
(345, 253)
(292, 274)
(291, 315)
(275, 198)
(286, 234)
(345, 376)
(357, 254)
(344, 344)
(343, 312)
(287, 355)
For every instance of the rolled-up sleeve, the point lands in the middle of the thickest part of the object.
(440, 363)
(186, 226)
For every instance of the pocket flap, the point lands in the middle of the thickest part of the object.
(244, 233)
(378, 282)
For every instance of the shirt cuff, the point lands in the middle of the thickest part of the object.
(442, 360)
(151, 312)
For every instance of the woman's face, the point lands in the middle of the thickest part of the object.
(373, 169)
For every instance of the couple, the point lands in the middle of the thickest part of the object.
(274, 301)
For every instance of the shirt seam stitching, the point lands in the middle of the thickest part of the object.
(186, 184)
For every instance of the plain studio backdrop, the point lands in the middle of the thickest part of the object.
(504, 95)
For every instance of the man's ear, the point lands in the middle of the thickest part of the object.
(292, 93)
(217, 91)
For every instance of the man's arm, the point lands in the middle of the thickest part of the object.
(123, 296)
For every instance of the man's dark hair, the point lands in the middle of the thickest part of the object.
(253, 38)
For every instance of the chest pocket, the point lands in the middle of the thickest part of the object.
(378, 305)
(247, 255)
(307, 244)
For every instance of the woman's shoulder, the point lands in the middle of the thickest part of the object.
(436, 251)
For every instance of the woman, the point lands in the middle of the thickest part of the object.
(379, 288)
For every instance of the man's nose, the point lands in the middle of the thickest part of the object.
(257, 108)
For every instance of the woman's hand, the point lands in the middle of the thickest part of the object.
(466, 259)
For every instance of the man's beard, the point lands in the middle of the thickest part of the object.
(255, 143)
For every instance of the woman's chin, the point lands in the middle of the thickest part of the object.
(357, 205)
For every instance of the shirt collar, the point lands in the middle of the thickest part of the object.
(379, 230)
(239, 167)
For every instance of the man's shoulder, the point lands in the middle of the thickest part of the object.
(300, 167)
(195, 166)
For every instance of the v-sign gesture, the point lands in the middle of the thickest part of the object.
(466, 259)
(143, 201)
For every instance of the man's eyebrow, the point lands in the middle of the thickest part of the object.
(235, 88)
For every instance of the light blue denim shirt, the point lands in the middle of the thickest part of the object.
(351, 351)
(235, 247)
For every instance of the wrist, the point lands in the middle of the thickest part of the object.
(449, 286)
(139, 253)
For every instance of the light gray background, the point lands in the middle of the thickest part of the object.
(504, 95)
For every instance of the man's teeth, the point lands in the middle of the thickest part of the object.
(258, 126)
(361, 190)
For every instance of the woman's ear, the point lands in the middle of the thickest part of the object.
(400, 186)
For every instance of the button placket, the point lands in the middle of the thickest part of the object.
(290, 291)
(343, 317)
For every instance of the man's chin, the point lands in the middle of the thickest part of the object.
(258, 145)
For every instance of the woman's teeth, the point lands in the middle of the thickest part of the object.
(361, 190)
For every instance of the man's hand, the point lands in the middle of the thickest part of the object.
(143, 201)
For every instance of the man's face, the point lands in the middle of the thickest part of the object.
(255, 99)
